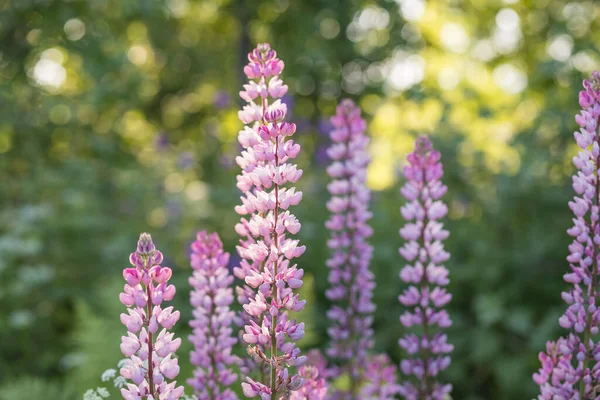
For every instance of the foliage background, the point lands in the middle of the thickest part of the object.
(120, 116)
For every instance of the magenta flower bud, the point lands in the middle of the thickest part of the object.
(149, 360)
(161, 274)
(569, 365)
(145, 245)
(425, 297)
(131, 276)
(275, 112)
(252, 70)
(268, 296)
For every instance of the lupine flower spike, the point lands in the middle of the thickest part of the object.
(212, 332)
(151, 357)
(266, 252)
(570, 367)
(425, 274)
(351, 281)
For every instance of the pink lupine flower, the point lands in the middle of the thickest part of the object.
(313, 373)
(266, 251)
(150, 358)
(212, 332)
(426, 276)
(570, 367)
(381, 381)
(351, 281)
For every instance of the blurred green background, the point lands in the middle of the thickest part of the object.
(120, 116)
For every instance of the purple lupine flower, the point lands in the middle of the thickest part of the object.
(266, 252)
(313, 373)
(212, 332)
(426, 275)
(381, 381)
(570, 368)
(351, 280)
(151, 360)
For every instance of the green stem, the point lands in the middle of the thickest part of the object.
(274, 294)
(150, 350)
(588, 326)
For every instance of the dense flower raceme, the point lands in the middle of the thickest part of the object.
(212, 332)
(266, 252)
(351, 281)
(151, 361)
(571, 366)
(425, 274)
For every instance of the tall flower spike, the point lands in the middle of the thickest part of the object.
(212, 332)
(151, 356)
(266, 252)
(426, 276)
(351, 281)
(569, 368)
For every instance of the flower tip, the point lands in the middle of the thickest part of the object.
(423, 144)
(145, 245)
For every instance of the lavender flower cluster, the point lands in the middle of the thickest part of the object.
(351, 281)
(266, 251)
(571, 366)
(212, 337)
(151, 358)
(426, 275)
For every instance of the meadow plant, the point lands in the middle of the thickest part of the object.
(275, 369)
(265, 249)
(351, 281)
(425, 274)
(571, 365)
(150, 354)
(212, 338)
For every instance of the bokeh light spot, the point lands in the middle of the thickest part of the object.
(560, 47)
(329, 28)
(74, 29)
(412, 10)
(510, 79)
(406, 72)
(138, 55)
(454, 37)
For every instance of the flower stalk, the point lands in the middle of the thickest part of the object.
(570, 366)
(351, 281)
(265, 249)
(426, 276)
(212, 334)
(151, 358)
